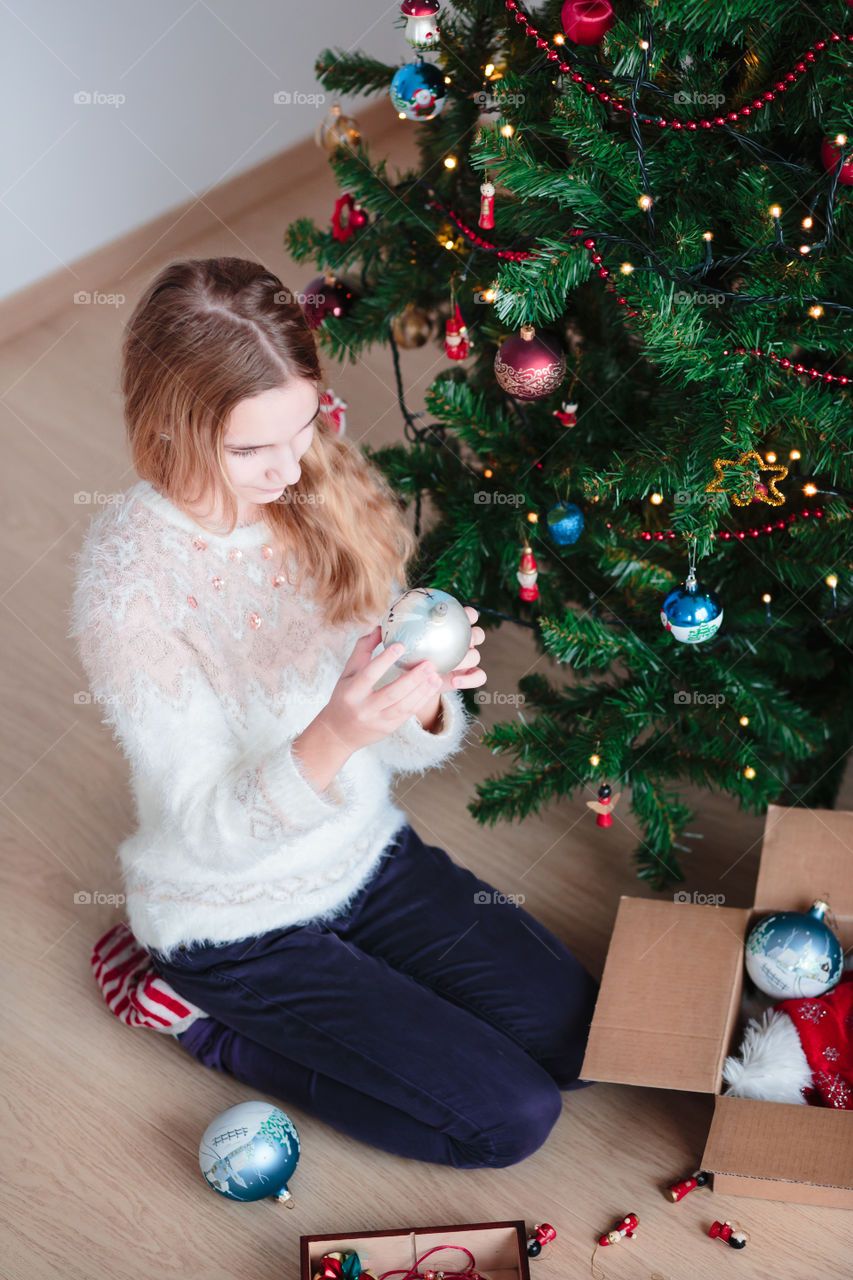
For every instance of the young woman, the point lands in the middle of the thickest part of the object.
(227, 612)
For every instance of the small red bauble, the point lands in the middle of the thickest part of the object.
(587, 21)
(325, 296)
(830, 154)
(529, 366)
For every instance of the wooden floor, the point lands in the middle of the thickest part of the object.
(102, 1124)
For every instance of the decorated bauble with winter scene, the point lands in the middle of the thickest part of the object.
(249, 1152)
(418, 90)
(529, 365)
(433, 626)
(565, 523)
(794, 953)
(692, 613)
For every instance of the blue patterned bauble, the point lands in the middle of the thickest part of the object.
(692, 613)
(418, 90)
(565, 523)
(249, 1151)
(794, 953)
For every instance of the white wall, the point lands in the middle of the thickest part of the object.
(197, 78)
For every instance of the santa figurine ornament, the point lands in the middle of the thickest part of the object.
(421, 29)
(487, 205)
(626, 1228)
(567, 414)
(457, 344)
(333, 411)
(528, 572)
(728, 1231)
(541, 1235)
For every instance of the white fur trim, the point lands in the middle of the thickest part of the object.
(772, 1066)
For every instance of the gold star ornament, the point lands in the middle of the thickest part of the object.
(749, 484)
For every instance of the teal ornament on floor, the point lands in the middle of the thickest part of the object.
(794, 954)
(249, 1152)
(418, 90)
(565, 523)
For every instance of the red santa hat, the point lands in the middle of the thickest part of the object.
(800, 1051)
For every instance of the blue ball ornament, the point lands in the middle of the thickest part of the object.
(565, 523)
(249, 1151)
(692, 613)
(794, 954)
(418, 90)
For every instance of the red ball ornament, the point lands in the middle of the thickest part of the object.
(587, 21)
(830, 154)
(529, 366)
(326, 295)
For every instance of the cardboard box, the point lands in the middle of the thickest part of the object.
(499, 1249)
(667, 1014)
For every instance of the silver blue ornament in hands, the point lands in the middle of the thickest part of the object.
(433, 626)
(794, 953)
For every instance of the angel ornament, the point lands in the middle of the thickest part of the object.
(604, 805)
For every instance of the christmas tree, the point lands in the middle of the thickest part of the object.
(633, 226)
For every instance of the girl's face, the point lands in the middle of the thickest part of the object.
(265, 437)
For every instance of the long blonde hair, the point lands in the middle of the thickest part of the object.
(208, 332)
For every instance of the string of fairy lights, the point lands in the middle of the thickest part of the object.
(816, 308)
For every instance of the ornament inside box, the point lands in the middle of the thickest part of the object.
(499, 1250)
(670, 995)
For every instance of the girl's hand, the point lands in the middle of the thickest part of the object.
(357, 714)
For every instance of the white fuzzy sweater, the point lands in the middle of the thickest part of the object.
(207, 664)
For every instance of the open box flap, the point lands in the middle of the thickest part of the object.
(806, 854)
(781, 1142)
(668, 996)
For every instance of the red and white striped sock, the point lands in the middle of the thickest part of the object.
(133, 989)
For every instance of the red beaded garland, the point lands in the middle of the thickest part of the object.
(662, 123)
(785, 363)
(724, 534)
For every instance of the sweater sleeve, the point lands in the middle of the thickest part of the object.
(223, 801)
(412, 749)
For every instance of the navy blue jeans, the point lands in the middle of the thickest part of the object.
(431, 1019)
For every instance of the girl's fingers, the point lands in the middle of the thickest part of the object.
(469, 679)
(410, 686)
